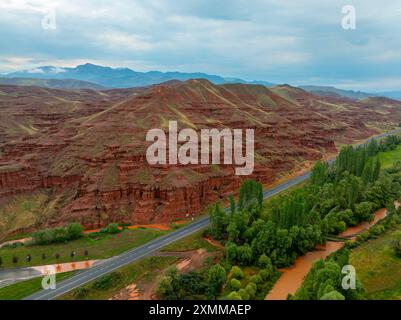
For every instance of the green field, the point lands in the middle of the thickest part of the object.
(388, 158)
(105, 246)
(376, 265)
(22, 289)
(105, 287)
(378, 268)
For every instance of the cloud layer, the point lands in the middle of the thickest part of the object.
(297, 42)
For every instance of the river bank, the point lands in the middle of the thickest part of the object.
(291, 278)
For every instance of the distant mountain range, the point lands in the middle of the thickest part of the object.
(91, 76)
(51, 83)
(120, 77)
(328, 91)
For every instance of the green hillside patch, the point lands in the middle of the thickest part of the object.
(21, 212)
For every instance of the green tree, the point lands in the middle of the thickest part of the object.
(217, 276)
(333, 295)
(218, 221)
(264, 261)
(244, 254)
(74, 231)
(251, 288)
(234, 296)
(235, 284)
(236, 272)
(319, 173)
(230, 252)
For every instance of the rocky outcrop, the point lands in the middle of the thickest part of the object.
(93, 144)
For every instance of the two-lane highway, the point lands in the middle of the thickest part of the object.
(109, 265)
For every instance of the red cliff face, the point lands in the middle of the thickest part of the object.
(86, 149)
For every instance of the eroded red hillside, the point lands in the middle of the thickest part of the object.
(80, 155)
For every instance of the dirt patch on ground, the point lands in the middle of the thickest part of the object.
(214, 243)
(189, 260)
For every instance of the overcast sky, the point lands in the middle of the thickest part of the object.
(284, 41)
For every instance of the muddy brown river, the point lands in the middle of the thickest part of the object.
(292, 277)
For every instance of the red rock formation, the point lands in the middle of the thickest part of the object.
(92, 144)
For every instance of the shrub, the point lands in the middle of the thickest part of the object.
(81, 293)
(112, 228)
(74, 231)
(265, 274)
(236, 272)
(235, 284)
(256, 279)
(264, 261)
(107, 281)
(251, 289)
(333, 295)
(234, 296)
(71, 232)
(217, 277)
(243, 294)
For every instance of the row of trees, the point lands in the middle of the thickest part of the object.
(355, 160)
(336, 197)
(28, 258)
(72, 231)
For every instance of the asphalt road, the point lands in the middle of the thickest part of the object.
(109, 265)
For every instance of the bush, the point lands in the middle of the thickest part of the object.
(333, 295)
(264, 261)
(256, 279)
(13, 245)
(243, 294)
(113, 228)
(217, 277)
(235, 284)
(73, 231)
(107, 281)
(165, 286)
(236, 272)
(234, 296)
(81, 293)
(265, 274)
(251, 289)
